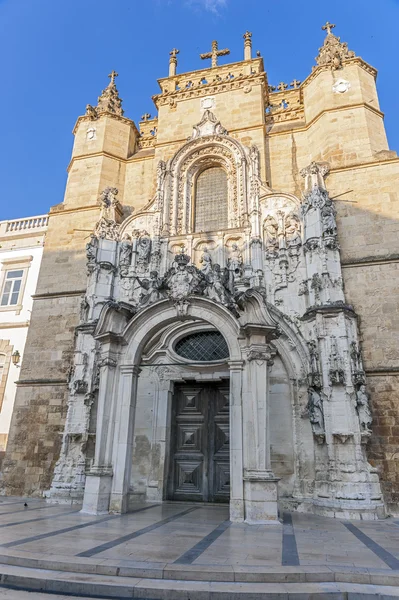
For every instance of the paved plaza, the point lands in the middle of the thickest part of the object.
(193, 543)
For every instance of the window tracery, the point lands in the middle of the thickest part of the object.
(211, 200)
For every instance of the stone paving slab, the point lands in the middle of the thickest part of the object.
(182, 542)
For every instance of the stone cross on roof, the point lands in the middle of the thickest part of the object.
(282, 86)
(215, 53)
(327, 27)
(112, 76)
(174, 52)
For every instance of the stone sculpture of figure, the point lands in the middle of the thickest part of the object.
(206, 261)
(125, 255)
(363, 409)
(315, 411)
(91, 111)
(216, 290)
(151, 289)
(235, 261)
(356, 357)
(108, 203)
(143, 249)
(91, 250)
(161, 172)
(314, 356)
(270, 229)
(328, 219)
(254, 158)
(292, 231)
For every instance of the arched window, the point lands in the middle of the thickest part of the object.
(203, 346)
(211, 208)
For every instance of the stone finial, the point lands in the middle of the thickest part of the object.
(314, 175)
(282, 86)
(327, 27)
(109, 100)
(213, 55)
(295, 83)
(173, 61)
(247, 45)
(333, 52)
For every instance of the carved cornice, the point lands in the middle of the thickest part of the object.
(89, 119)
(224, 79)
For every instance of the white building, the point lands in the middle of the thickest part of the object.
(21, 249)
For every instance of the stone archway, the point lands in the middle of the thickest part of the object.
(253, 485)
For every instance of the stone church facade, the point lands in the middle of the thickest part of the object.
(216, 316)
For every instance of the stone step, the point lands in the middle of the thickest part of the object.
(210, 573)
(119, 587)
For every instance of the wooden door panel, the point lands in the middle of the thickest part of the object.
(200, 461)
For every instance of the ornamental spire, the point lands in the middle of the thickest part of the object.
(108, 102)
(333, 52)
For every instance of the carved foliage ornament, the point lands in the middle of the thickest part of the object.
(333, 53)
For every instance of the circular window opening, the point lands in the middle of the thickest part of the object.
(203, 346)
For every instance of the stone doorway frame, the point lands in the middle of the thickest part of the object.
(123, 338)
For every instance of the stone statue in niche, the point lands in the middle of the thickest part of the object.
(161, 173)
(206, 261)
(254, 159)
(357, 364)
(315, 411)
(152, 289)
(235, 261)
(337, 374)
(363, 409)
(314, 376)
(270, 229)
(328, 219)
(143, 250)
(317, 286)
(91, 252)
(234, 266)
(292, 231)
(125, 255)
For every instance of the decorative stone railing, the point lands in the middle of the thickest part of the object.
(23, 225)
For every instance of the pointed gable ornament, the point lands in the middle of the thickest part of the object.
(333, 52)
(209, 125)
(108, 102)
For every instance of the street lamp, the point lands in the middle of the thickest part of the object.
(15, 358)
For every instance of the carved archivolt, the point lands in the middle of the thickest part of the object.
(188, 163)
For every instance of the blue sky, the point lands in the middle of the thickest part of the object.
(56, 55)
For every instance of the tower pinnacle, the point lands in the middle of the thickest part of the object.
(108, 102)
(333, 53)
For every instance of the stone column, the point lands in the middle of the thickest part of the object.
(236, 443)
(260, 484)
(99, 479)
(123, 439)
